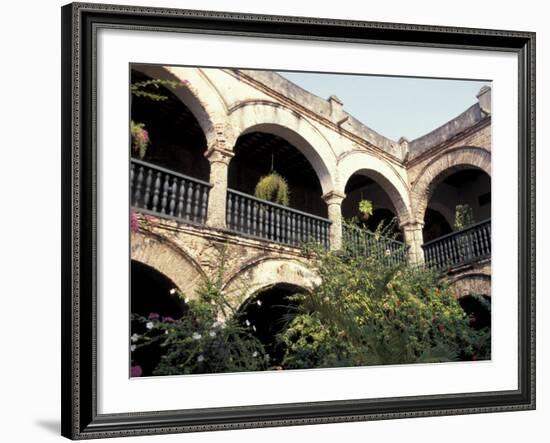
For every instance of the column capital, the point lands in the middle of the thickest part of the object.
(334, 198)
(411, 225)
(219, 155)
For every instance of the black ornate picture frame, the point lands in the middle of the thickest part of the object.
(80, 418)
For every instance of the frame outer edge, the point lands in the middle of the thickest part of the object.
(75, 398)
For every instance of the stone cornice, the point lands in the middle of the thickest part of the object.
(293, 105)
(437, 149)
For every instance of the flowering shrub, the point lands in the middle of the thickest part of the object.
(369, 311)
(199, 342)
(140, 138)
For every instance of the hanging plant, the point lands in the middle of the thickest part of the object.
(140, 138)
(365, 209)
(273, 188)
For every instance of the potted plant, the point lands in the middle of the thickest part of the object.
(274, 188)
(365, 209)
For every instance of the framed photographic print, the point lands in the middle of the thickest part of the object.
(273, 221)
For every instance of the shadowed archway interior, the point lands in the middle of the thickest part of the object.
(267, 313)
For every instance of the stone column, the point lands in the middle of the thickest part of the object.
(219, 162)
(334, 200)
(413, 238)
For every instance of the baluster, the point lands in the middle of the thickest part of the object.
(242, 204)
(255, 219)
(165, 189)
(173, 192)
(189, 206)
(277, 236)
(147, 193)
(204, 202)
(262, 231)
(132, 177)
(156, 192)
(139, 181)
(486, 238)
(229, 211)
(181, 199)
(196, 203)
(248, 217)
(291, 229)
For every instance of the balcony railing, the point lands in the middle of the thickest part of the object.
(459, 248)
(360, 242)
(159, 191)
(266, 220)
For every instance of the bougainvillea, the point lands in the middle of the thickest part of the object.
(140, 138)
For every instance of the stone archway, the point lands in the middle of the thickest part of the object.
(442, 166)
(269, 271)
(200, 97)
(273, 118)
(387, 177)
(162, 255)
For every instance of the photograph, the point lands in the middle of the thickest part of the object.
(293, 220)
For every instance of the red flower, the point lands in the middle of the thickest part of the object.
(136, 371)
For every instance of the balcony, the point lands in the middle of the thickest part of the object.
(365, 243)
(258, 218)
(459, 248)
(159, 191)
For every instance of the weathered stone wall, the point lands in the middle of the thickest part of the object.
(187, 254)
(472, 279)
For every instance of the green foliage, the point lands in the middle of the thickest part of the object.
(148, 88)
(140, 138)
(464, 216)
(370, 311)
(366, 208)
(199, 342)
(274, 188)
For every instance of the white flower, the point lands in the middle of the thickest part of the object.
(200, 358)
(327, 299)
(166, 332)
(132, 348)
(186, 299)
(255, 354)
(134, 338)
(259, 302)
(196, 336)
(172, 291)
(247, 322)
(149, 325)
(212, 334)
(216, 324)
(254, 328)
(388, 252)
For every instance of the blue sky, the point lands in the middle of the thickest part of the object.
(394, 106)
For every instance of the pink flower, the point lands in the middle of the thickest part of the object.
(153, 316)
(145, 136)
(134, 222)
(167, 319)
(136, 371)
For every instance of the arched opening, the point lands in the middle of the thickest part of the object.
(152, 295)
(267, 313)
(362, 186)
(177, 141)
(478, 309)
(464, 186)
(257, 153)
(435, 225)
